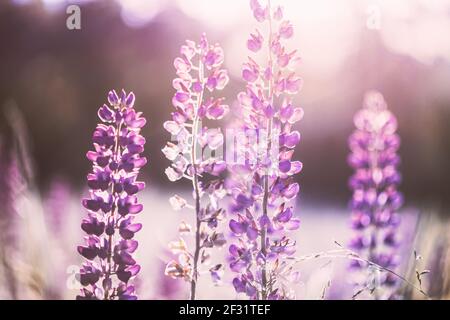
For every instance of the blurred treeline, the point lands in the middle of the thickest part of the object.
(58, 78)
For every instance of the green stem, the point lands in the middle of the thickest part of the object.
(264, 282)
(113, 209)
(196, 187)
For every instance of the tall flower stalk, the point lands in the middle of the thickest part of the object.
(262, 181)
(10, 186)
(16, 181)
(199, 73)
(112, 205)
(376, 200)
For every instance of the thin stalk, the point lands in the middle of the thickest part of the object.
(9, 274)
(196, 187)
(109, 271)
(374, 229)
(349, 254)
(264, 289)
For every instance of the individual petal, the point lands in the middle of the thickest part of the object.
(285, 215)
(216, 111)
(252, 233)
(123, 258)
(286, 30)
(99, 179)
(178, 246)
(222, 79)
(293, 84)
(134, 120)
(177, 202)
(291, 191)
(89, 252)
(261, 14)
(188, 50)
(92, 226)
(255, 42)
(89, 274)
(184, 228)
(128, 229)
(292, 139)
(176, 271)
(216, 273)
(124, 274)
(197, 86)
(171, 151)
(106, 114)
(113, 98)
(173, 174)
(296, 167)
(104, 136)
(286, 112)
(182, 65)
(238, 285)
(212, 138)
(237, 227)
(292, 224)
(284, 166)
(129, 101)
(250, 73)
(278, 14)
(129, 246)
(172, 127)
(214, 57)
(182, 97)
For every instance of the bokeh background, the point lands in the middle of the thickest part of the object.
(52, 80)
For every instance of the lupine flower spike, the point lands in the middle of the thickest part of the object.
(262, 183)
(376, 200)
(199, 73)
(113, 205)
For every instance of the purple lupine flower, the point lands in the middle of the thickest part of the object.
(200, 73)
(110, 224)
(376, 200)
(262, 182)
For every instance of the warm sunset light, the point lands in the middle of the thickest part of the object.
(235, 150)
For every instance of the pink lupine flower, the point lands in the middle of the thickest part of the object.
(261, 183)
(376, 200)
(199, 72)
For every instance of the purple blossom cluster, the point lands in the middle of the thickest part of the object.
(195, 155)
(262, 183)
(376, 200)
(258, 176)
(112, 205)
